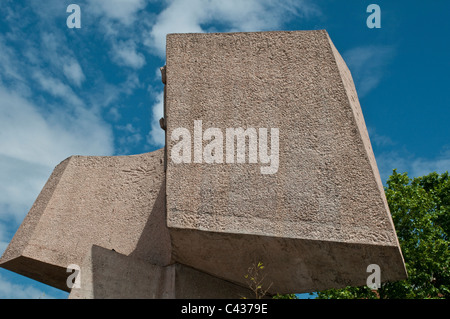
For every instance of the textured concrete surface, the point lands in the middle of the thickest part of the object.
(191, 230)
(115, 202)
(105, 274)
(323, 214)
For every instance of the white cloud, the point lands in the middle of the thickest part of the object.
(391, 155)
(388, 161)
(403, 161)
(379, 140)
(130, 137)
(368, 65)
(421, 166)
(57, 88)
(33, 142)
(119, 22)
(179, 16)
(156, 136)
(39, 130)
(73, 72)
(21, 183)
(59, 61)
(7, 67)
(125, 54)
(129, 128)
(131, 83)
(3, 245)
(104, 95)
(114, 114)
(3, 237)
(123, 11)
(9, 290)
(182, 16)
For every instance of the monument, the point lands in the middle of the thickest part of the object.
(267, 159)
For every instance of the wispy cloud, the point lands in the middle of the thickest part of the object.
(57, 88)
(379, 140)
(4, 238)
(404, 161)
(9, 290)
(423, 166)
(73, 72)
(33, 142)
(59, 58)
(368, 64)
(123, 11)
(391, 154)
(124, 53)
(122, 23)
(181, 16)
(156, 135)
(130, 136)
(7, 67)
(46, 113)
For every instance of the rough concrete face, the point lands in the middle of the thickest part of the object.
(115, 202)
(322, 215)
(314, 212)
(106, 274)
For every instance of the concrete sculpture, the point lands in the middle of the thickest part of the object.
(267, 159)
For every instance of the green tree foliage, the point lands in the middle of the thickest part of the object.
(420, 209)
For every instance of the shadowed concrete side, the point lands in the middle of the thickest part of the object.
(106, 274)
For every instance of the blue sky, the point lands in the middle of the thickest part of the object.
(96, 90)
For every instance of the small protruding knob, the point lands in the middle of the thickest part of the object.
(163, 74)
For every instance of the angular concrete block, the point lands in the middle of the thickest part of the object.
(116, 202)
(105, 274)
(268, 160)
(318, 216)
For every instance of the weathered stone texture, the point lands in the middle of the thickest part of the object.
(114, 202)
(192, 230)
(327, 191)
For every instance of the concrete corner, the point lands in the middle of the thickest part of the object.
(106, 274)
(115, 202)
